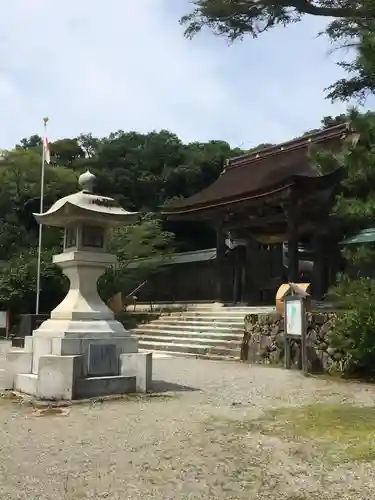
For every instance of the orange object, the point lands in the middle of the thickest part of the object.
(115, 303)
(284, 290)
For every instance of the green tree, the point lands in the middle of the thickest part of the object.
(18, 282)
(360, 82)
(66, 151)
(355, 202)
(145, 240)
(354, 209)
(20, 172)
(32, 142)
(350, 24)
(235, 18)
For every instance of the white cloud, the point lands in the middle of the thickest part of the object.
(96, 66)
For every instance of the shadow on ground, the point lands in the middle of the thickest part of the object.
(163, 386)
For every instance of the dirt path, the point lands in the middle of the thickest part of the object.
(188, 443)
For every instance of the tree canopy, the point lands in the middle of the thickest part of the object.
(142, 171)
(350, 25)
(236, 18)
(360, 80)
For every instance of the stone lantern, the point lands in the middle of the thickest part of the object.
(81, 350)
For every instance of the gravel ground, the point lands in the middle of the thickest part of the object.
(178, 445)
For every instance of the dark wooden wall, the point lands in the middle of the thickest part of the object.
(196, 281)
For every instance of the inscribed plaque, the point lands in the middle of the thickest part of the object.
(102, 360)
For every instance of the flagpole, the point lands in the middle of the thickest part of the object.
(45, 120)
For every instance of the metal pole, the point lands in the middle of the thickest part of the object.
(45, 120)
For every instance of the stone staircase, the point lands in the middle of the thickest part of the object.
(205, 331)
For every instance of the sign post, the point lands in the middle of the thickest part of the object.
(295, 326)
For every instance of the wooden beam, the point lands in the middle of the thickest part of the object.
(248, 222)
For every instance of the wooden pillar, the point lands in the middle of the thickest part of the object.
(318, 285)
(236, 275)
(251, 281)
(239, 274)
(292, 220)
(220, 262)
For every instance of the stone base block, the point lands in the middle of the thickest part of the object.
(17, 361)
(104, 386)
(26, 383)
(29, 343)
(138, 365)
(5, 347)
(40, 347)
(77, 329)
(3, 380)
(68, 346)
(57, 377)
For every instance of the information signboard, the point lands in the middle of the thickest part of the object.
(294, 316)
(295, 329)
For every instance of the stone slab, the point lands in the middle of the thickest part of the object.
(26, 383)
(5, 347)
(102, 360)
(104, 386)
(57, 376)
(81, 329)
(138, 365)
(2, 380)
(28, 344)
(41, 347)
(17, 361)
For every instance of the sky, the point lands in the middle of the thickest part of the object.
(101, 66)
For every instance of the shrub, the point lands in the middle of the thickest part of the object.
(353, 331)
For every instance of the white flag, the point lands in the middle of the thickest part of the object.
(47, 155)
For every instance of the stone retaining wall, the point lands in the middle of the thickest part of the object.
(264, 341)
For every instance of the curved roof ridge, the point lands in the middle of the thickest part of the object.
(288, 146)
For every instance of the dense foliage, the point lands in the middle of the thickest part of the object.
(350, 25)
(352, 331)
(142, 171)
(236, 18)
(360, 81)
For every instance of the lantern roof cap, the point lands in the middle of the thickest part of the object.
(86, 206)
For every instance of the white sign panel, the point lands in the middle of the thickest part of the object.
(3, 319)
(294, 317)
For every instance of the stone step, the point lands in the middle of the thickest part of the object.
(207, 317)
(199, 349)
(26, 382)
(216, 337)
(175, 354)
(206, 331)
(180, 325)
(212, 314)
(104, 386)
(219, 342)
(245, 309)
(204, 322)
